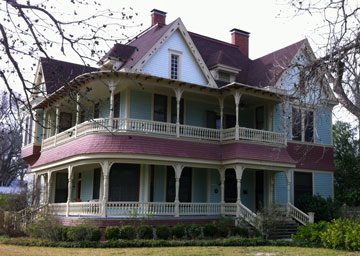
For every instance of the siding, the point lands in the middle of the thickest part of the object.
(214, 186)
(279, 119)
(323, 184)
(199, 185)
(141, 103)
(281, 188)
(248, 184)
(196, 112)
(323, 127)
(159, 183)
(87, 185)
(158, 65)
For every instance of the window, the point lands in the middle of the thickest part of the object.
(96, 183)
(30, 130)
(223, 76)
(97, 110)
(160, 108)
(117, 105)
(174, 66)
(174, 111)
(26, 130)
(61, 187)
(303, 185)
(78, 187)
(302, 125)
(230, 121)
(230, 195)
(260, 116)
(65, 121)
(124, 183)
(184, 188)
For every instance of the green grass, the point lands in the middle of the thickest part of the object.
(11, 250)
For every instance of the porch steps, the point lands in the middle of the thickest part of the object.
(282, 229)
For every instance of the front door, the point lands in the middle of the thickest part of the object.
(259, 190)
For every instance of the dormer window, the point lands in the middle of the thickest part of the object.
(175, 62)
(224, 76)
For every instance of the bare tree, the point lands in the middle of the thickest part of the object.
(36, 28)
(339, 55)
(11, 164)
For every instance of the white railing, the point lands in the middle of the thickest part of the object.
(261, 135)
(140, 208)
(85, 208)
(160, 128)
(200, 208)
(248, 215)
(230, 209)
(297, 214)
(58, 208)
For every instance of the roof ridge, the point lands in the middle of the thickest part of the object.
(214, 39)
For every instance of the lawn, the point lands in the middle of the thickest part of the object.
(11, 250)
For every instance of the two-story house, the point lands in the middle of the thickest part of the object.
(179, 126)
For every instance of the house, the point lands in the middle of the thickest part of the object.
(182, 127)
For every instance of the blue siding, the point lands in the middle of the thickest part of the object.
(158, 65)
(87, 185)
(323, 126)
(281, 188)
(141, 103)
(323, 184)
(199, 185)
(248, 184)
(123, 104)
(279, 119)
(214, 186)
(105, 108)
(196, 112)
(159, 183)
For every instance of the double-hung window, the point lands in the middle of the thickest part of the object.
(174, 64)
(302, 125)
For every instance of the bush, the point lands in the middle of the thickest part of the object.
(112, 233)
(128, 232)
(210, 230)
(310, 234)
(163, 232)
(46, 227)
(178, 231)
(193, 231)
(324, 209)
(239, 231)
(145, 232)
(83, 233)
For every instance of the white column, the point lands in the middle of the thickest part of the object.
(70, 177)
(106, 172)
(237, 97)
(112, 88)
(57, 119)
(285, 123)
(178, 169)
(288, 182)
(222, 188)
(239, 172)
(221, 103)
(77, 118)
(48, 187)
(45, 125)
(178, 94)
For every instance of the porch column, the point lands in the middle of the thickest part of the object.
(178, 94)
(57, 119)
(237, 96)
(45, 125)
(111, 114)
(178, 169)
(239, 172)
(106, 171)
(48, 187)
(221, 103)
(288, 181)
(70, 168)
(222, 188)
(285, 123)
(77, 118)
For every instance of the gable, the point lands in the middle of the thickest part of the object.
(159, 63)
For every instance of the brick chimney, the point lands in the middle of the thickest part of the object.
(240, 38)
(158, 17)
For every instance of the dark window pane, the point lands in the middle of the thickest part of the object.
(260, 122)
(302, 184)
(223, 76)
(65, 121)
(160, 108)
(124, 182)
(211, 119)
(174, 110)
(117, 105)
(230, 186)
(96, 110)
(309, 126)
(185, 185)
(96, 183)
(61, 187)
(170, 184)
(174, 69)
(230, 121)
(296, 124)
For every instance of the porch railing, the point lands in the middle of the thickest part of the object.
(298, 215)
(160, 128)
(58, 208)
(200, 209)
(140, 208)
(85, 209)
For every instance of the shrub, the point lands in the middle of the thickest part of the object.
(324, 209)
(210, 230)
(145, 232)
(193, 231)
(239, 231)
(162, 232)
(178, 231)
(46, 227)
(112, 233)
(128, 232)
(310, 234)
(83, 233)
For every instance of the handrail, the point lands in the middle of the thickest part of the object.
(248, 215)
(298, 215)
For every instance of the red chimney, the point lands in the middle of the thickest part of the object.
(240, 38)
(158, 17)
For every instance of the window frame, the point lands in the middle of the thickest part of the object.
(303, 117)
(178, 54)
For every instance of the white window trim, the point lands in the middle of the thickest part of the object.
(179, 54)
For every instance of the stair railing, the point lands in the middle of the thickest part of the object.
(299, 215)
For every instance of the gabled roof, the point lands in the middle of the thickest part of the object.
(57, 73)
(120, 51)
